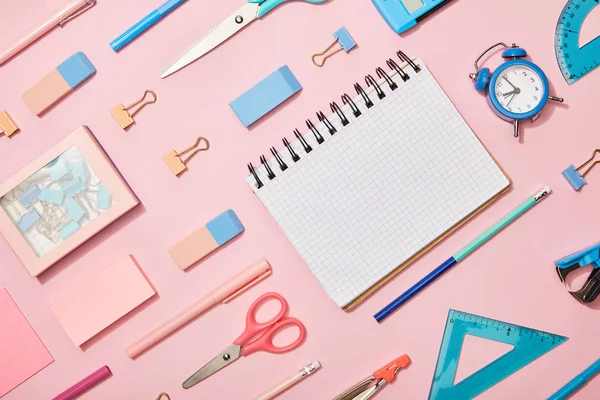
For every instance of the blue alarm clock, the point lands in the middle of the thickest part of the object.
(517, 90)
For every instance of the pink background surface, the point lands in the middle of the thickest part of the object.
(511, 278)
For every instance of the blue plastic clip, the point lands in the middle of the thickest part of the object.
(580, 259)
(343, 38)
(577, 179)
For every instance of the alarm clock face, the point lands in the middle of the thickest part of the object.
(519, 89)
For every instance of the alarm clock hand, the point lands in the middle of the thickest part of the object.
(513, 86)
(508, 94)
(511, 99)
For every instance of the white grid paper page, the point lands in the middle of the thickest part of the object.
(382, 188)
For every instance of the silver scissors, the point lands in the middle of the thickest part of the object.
(249, 12)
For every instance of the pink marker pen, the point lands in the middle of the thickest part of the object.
(222, 294)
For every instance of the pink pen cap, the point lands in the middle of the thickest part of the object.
(242, 282)
(84, 384)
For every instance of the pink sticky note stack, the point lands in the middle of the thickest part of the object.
(103, 301)
(22, 353)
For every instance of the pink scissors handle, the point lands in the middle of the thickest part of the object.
(268, 329)
(265, 341)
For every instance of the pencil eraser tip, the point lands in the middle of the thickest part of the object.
(316, 365)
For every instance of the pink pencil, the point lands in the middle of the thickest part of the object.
(58, 18)
(84, 384)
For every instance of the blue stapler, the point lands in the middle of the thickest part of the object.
(402, 15)
(582, 258)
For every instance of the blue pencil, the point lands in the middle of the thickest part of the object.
(576, 382)
(145, 24)
(462, 253)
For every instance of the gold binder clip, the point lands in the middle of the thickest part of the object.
(122, 114)
(174, 160)
(163, 394)
(7, 125)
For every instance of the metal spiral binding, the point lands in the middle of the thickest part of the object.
(382, 74)
(307, 147)
(335, 108)
(347, 100)
(393, 65)
(372, 82)
(315, 131)
(363, 94)
(295, 156)
(270, 172)
(259, 184)
(325, 121)
(282, 165)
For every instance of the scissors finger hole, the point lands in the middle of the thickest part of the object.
(285, 336)
(268, 310)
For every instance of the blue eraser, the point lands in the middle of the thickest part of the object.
(76, 69)
(574, 177)
(265, 96)
(344, 39)
(225, 227)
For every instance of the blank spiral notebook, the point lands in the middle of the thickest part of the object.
(378, 182)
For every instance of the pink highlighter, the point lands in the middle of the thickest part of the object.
(85, 384)
(58, 83)
(222, 294)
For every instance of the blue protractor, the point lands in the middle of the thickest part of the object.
(575, 61)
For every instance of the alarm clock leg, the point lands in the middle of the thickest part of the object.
(559, 99)
(516, 128)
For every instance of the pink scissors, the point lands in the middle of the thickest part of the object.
(256, 337)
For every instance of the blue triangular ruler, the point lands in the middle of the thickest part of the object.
(529, 344)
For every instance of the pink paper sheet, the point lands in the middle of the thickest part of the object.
(22, 353)
(103, 301)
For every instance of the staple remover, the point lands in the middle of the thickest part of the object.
(580, 259)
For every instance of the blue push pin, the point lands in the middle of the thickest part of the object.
(345, 41)
(577, 179)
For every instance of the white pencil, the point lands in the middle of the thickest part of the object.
(291, 381)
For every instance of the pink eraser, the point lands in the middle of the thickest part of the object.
(103, 301)
(58, 83)
(205, 240)
(85, 384)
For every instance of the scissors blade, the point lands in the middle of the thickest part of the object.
(228, 356)
(229, 27)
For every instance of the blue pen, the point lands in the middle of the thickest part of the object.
(576, 382)
(462, 253)
(145, 24)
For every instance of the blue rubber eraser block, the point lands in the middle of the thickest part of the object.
(265, 96)
(76, 69)
(574, 177)
(344, 39)
(225, 227)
